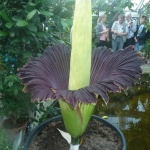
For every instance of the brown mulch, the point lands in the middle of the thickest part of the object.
(96, 137)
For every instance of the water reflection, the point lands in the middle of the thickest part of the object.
(131, 113)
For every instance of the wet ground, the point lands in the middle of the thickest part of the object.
(131, 113)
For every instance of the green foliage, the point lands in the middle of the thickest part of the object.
(4, 141)
(16, 107)
(26, 29)
(111, 7)
(147, 48)
(147, 8)
(32, 26)
(43, 112)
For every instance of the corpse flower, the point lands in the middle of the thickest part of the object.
(76, 76)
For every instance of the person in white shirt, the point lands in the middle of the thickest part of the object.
(132, 28)
(119, 30)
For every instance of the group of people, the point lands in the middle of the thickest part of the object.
(124, 32)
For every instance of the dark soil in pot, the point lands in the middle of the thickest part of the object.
(97, 137)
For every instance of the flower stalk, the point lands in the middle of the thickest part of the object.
(80, 63)
(76, 120)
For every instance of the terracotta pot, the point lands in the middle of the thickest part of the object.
(39, 128)
(13, 130)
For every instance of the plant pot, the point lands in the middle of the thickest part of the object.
(53, 121)
(12, 130)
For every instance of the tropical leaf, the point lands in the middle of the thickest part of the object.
(31, 14)
(46, 13)
(47, 77)
(4, 15)
(64, 24)
(32, 4)
(32, 27)
(22, 23)
(2, 33)
(9, 24)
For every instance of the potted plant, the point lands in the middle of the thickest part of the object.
(15, 111)
(76, 77)
(15, 105)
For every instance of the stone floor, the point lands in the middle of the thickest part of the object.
(146, 67)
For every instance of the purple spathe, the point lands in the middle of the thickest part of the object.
(47, 77)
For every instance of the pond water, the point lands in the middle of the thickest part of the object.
(130, 113)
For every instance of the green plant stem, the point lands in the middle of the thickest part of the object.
(76, 120)
(75, 141)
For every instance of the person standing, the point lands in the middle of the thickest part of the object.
(119, 30)
(140, 37)
(102, 32)
(115, 18)
(132, 28)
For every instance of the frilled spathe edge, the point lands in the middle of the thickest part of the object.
(47, 77)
